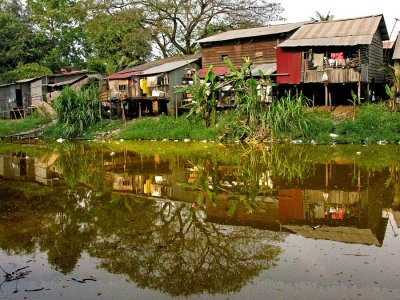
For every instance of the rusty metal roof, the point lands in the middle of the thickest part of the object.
(123, 75)
(396, 53)
(252, 32)
(347, 32)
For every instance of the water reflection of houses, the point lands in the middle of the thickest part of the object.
(18, 166)
(346, 201)
(136, 174)
(336, 202)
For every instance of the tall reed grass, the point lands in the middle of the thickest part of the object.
(76, 110)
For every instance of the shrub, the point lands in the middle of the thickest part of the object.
(76, 110)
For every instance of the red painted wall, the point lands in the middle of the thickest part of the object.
(290, 205)
(288, 63)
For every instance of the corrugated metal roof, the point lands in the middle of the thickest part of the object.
(6, 84)
(396, 53)
(266, 69)
(124, 75)
(387, 44)
(218, 71)
(28, 80)
(252, 32)
(167, 67)
(348, 32)
(68, 82)
(158, 62)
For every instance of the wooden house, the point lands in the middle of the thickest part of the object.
(150, 88)
(256, 43)
(396, 66)
(327, 60)
(7, 100)
(76, 80)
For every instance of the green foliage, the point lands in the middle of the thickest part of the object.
(373, 123)
(13, 41)
(204, 97)
(76, 110)
(120, 38)
(288, 116)
(22, 71)
(322, 18)
(9, 127)
(61, 22)
(320, 125)
(168, 128)
(248, 105)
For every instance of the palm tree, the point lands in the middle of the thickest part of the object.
(320, 17)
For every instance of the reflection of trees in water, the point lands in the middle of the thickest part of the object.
(250, 177)
(81, 164)
(68, 230)
(160, 245)
(169, 247)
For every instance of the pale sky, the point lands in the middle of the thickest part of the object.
(303, 10)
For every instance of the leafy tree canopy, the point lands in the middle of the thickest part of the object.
(24, 71)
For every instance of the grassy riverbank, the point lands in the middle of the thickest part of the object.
(9, 127)
(368, 123)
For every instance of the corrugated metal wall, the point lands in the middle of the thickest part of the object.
(288, 63)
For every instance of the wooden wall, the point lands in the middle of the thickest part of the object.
(259, 51)
(114, 88)
(375, 57)
(37, 91)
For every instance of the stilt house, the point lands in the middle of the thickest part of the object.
(150, 88)
(328, 60)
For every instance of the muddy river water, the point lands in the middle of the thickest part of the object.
(163, 220)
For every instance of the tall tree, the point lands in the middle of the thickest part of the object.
(60, 21)
(118, 38)
(13, 39)
(176, 24)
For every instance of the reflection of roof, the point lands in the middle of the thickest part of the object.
(167, 67)
(251, 32)
(348, 32)
(339, 234)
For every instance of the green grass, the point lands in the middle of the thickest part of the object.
(97, 130)
(372, 123)
(9, 127)
(168, 128)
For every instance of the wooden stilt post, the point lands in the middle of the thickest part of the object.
(326, 94)
(140, 108)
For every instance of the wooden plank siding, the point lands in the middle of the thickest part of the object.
(259, 51)
(375, 57)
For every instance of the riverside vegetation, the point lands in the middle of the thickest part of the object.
(286, 119)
